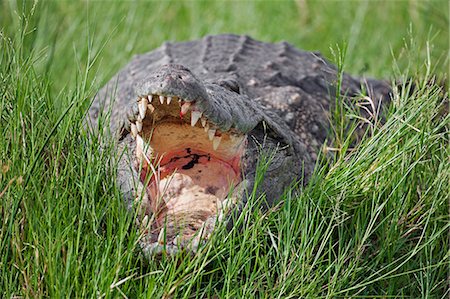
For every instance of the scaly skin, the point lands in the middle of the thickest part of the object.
(277, 95)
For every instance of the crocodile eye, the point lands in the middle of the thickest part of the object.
(230, 84)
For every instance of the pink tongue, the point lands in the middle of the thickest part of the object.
(186, 205)
(183, 196)
(190, 196)
(189, 188)
(184, 171)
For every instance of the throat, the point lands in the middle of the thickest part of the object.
(189, 187)
(179, 170)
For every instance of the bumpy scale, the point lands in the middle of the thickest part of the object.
(250, 97)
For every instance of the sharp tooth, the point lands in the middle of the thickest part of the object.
(203, 120)
(139, 125)
(195, 116)
(185, 108)
(143, 107)
(143, 150)
(139, 143)
(211, 134)
(177, 241)
(216, 142)
(169, 99)
(195, 242)
(220, 216)
(236, 139)
(145, 221)
(150, 98)
(161, 99)
(206, 127)
(161, 236)
(133, 130)
(151, 108)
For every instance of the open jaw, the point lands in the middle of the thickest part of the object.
(190, 170)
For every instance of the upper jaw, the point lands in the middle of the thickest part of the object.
(223, 107)
(153, 111)
(173, 80)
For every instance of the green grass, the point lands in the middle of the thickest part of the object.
(373, 221)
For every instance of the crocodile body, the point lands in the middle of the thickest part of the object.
(269, 97)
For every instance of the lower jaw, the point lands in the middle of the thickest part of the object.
(174, 235)
(186, 204)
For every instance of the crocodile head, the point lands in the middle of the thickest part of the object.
(193, 135)
(192, 154)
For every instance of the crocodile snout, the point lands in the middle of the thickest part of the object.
(173, 80)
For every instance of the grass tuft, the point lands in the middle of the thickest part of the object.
(373, 221)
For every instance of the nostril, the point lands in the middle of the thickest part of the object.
(174, 77)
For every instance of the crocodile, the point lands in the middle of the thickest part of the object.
(194, 119)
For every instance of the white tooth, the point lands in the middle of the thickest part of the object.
(139, 125)
(185, 108)
(169, 99)
(151, 108)
(216, 142)
(143, 150)
(133, 130)
(203, 120)
(145, 221)
(195, 242)
(211, 134)
(139, 143)
(220, 216)
(150, 98)
(177, 241)
(237, 140)
(161, 99)
(161, 236)
(195, 116)
(207, 127)
(142, 107)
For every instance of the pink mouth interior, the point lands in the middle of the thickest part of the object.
(190, 180)
(187, 178)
